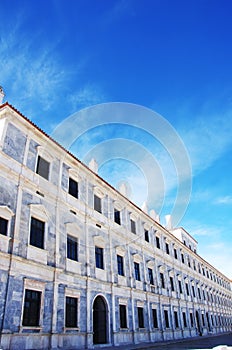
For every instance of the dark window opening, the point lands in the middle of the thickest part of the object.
(150, 274)
(176, 319)
(43, 167)
(167, 248)
(155, 318)
(71, 312)
(73, 188)
(133, 226)
(31, 312)
(117, 216)
(146, 235)
(120, 265)
(99, 258)
(162, 280)
(172, 284)
(97, 203)
(3, 226)
(123, 318)
(175, 253)
(180, 286)
(72, 247)
(137, 271)
(166, 318)
(140, 317)
(157, 239)
(37, 233)
(184, 319)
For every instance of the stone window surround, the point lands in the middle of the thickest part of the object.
(43, 153)
(7, 214)
(38, 286)
(73, 293)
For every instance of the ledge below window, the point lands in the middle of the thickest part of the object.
(37, 254)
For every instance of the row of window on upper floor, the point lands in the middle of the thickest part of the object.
(37, 239)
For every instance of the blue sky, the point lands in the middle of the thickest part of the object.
(171, 56)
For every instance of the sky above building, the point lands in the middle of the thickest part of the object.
(170, 57)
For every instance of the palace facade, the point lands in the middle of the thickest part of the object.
(81, 265)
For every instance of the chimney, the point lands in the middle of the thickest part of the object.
(2, 95)
(93, 165)
(168, 219)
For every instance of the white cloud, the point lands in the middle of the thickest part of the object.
(87, 96)
(223, 200)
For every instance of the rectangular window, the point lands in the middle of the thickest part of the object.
(73, 188)
(162, 280)
(167, 248)
(146, 235)
(166, 318)
(123, 318)
(133, 226)
(193, 290)
(71, 312)
(157, 239)
(187, 288)
(140, 317)
(3, 226)
(155, 318)
(37, 233)
(150, 274)
(182, 258)
(175, 253)
(203, 320)
(176, 319)
(31, 311)
(180, 286)
(97, 203)
(199, 293)
(72, 247)
(191, 319)
(137, 271)
(184, 319)
(117, 218)
(99, 258)
(43, 167)
(120, 265)
(172, 284)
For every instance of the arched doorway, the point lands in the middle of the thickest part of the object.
(99, 321)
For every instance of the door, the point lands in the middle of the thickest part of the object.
(99, 321)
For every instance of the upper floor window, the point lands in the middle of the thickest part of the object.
(71, 312)
(184, 319)
(162, 280)
(133, 226)
(137, 271)
(117, 218)
(97, 203)
(157, 239)
(72, 248)
(120, 265)
(166, 318)
(172, 284)
(146, 235)
(73, 188)
(99, 258)
(176, 319)
(37, 233)
(43, 167)
(182, 258)
(3, 226)
(150, 275)
(31, 311)
(175, 253)
(167, 247)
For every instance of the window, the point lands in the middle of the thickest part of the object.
(193, 290)
(182, 258)
(3, 226)
(162, 280)
(123, 318)
(199, 293)
(73, 188)
(97, 203)
(133, 226)
(146, 235)
(137, 271)
(175, 253)
(157, 239)
(72, 247)
(71, 312)
(184, 319)
(37, 233)
(203, 320)
(167, 248)
(99, 257)
(187, 288)
(140, 317)
(166, 318)
(176, 319)
(120, 265)
(155, 318)
(150, 274)
(191, 319)
(31, 311)
(172, 284)
(117, 218)
(180, 286)
(43, 167)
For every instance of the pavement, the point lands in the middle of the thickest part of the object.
(216, 342)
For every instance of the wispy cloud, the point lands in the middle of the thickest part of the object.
(223, 200)
(86, 96)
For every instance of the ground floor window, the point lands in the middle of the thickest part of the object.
(140, 317)
(123, 319)
(71, 312)
(31, 311)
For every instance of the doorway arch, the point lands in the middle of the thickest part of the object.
(99, 321)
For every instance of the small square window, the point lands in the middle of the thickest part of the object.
(72, 246)
(3, 226)
(43, 167)
(37, 233)
(31, 311)
(73, 188)
(97, 203)
(71, 312)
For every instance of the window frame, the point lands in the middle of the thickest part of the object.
(73, 187)
(137, 271)
(140, 314)
(74, 248)
(117, 216)
(123, 316)
(99, 257)
(97, 203)
(34, 221)
(40, 171)
(120, 265)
